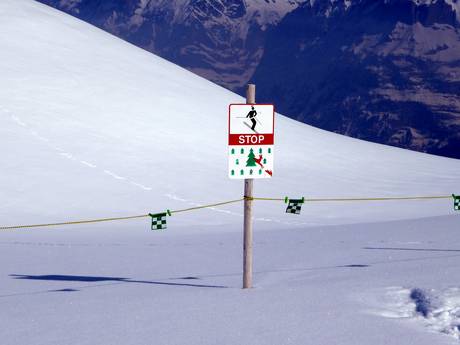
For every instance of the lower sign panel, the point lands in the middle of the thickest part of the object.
(250, 161)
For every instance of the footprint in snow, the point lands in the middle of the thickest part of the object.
(437, 310)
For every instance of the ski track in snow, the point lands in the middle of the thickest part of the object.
(18, 121)
(70, 156)
(438, 311)
(67, 155)
(88, 164)
(61, 152)
(140, 185)
(115, 176)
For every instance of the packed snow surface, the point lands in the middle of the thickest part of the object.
(91, 126)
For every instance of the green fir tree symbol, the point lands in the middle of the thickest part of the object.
(251, 162)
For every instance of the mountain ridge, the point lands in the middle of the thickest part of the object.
(220, 40)
(391, 77)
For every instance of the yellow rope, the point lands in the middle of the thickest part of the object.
(100, 220)
(70, 223)
(360, 199)
(219, 204)
(207, 206)
(383, 198)
(264, 199)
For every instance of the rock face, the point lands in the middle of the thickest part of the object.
(384, 71)
(381, 70)
(221, 40)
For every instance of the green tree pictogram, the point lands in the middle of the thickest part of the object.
(251, 162)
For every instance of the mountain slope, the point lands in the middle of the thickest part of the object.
(222, 41)
(380, 71)
(404, 58)
(141, 121)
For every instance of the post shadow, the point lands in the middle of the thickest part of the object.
(74, 278)
(413, 249)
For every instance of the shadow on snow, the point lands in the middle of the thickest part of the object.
(413, 249)
(71, 278)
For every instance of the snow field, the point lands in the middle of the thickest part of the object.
(92, 127)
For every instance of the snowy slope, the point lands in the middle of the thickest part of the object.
(232, 41)
(221, 40)
(84, 124)
(85, 132)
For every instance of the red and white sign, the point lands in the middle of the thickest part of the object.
(251, 140)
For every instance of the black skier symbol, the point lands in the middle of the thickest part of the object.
(252, 114)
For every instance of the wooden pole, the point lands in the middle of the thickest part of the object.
(248, 195)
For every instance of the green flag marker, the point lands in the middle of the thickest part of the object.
(294, 205)
(456, 202)
(159, 220)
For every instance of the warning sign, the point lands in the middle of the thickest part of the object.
(251, 140)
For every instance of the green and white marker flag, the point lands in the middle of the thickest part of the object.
(159, 220)
(294, 205)
(456, 202)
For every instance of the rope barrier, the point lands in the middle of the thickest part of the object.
(100, 220)
(208, 206)
(361, 199)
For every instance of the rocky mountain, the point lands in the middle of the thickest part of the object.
(381, 70)
(221, 40)
(385, 71)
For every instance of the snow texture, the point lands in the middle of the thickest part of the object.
(438, 311)
(91, 126)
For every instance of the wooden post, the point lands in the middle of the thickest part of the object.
(248, 194)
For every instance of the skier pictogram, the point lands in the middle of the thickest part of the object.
(249, 126)
(252, 116)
